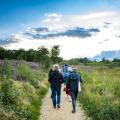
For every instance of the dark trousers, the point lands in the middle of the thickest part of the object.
(56, 95)
(74, 98)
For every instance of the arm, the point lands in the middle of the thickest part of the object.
(50, 78)
(61, 78)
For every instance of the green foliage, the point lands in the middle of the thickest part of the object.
(6, 70)
(100, 94)
(41, 55)
(8, 94)
(10, 105)
(5, 115)
(55, 51)
(21, 100)
(24, 72)
(36, 104)
(77, 61)
(2, 53)
(31, 55)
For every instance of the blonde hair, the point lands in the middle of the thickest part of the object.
(55, 67)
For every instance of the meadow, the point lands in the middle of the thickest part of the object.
(22, 87)
(100, 96)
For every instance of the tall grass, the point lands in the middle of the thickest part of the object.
(20, 99)
(100, 94)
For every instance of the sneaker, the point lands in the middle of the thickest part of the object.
(73, 111)
(58, 106)
(51, 96)
(54, 107)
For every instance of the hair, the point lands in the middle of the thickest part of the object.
(55, 67)
(74, 69)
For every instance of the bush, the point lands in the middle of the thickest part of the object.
(21, 100)
(6, 70)
(8, 94)
(24, 72)
(5, 116)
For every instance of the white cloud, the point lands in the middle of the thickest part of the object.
(52, 15)
(51, 18)
(77, 47)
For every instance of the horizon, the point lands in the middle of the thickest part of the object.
(84, 30)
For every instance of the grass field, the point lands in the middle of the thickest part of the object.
(100, 96)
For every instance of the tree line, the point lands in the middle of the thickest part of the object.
(87, 61)
(47, 57)
(42, 55)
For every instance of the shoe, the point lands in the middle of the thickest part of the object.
(54, 107)
(58, 106)
(73, 111)
(51, 96)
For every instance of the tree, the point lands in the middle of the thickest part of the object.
(2, 53)
(43, 56)
(104, 60)
(30, 55)
(116, 60)
(21, 54)
(55, 51)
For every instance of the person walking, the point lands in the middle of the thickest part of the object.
(73, 84)
(56, 79)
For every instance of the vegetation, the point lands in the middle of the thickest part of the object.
(100, 96)
(23, 84)
(23, 75)
(21, 98)
(41, 55)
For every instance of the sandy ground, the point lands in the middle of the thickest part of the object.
(64, 113)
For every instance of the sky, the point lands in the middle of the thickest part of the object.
(82, 27)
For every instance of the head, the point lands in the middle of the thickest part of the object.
(65, 65)
(74, 70)
(56, 67)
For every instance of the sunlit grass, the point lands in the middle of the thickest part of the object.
(100, 94)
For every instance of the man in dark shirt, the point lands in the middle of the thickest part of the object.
(56, 79)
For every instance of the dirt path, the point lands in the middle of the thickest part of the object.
(64, 113)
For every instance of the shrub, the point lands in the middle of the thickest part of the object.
(24, 72)
(6, 70)
(8, 94)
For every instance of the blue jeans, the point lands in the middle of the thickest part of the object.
(56, 95)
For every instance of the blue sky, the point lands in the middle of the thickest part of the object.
(15, 13)
(92, 26)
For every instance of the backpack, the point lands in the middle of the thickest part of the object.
(73, 76)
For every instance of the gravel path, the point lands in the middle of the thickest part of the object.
(64, 113)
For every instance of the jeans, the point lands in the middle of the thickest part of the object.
(56, 95)
(74, 97)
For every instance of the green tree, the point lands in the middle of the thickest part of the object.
(21, 54)
(43, 56)
(55, 51)
(2, 53)
(31, 55)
